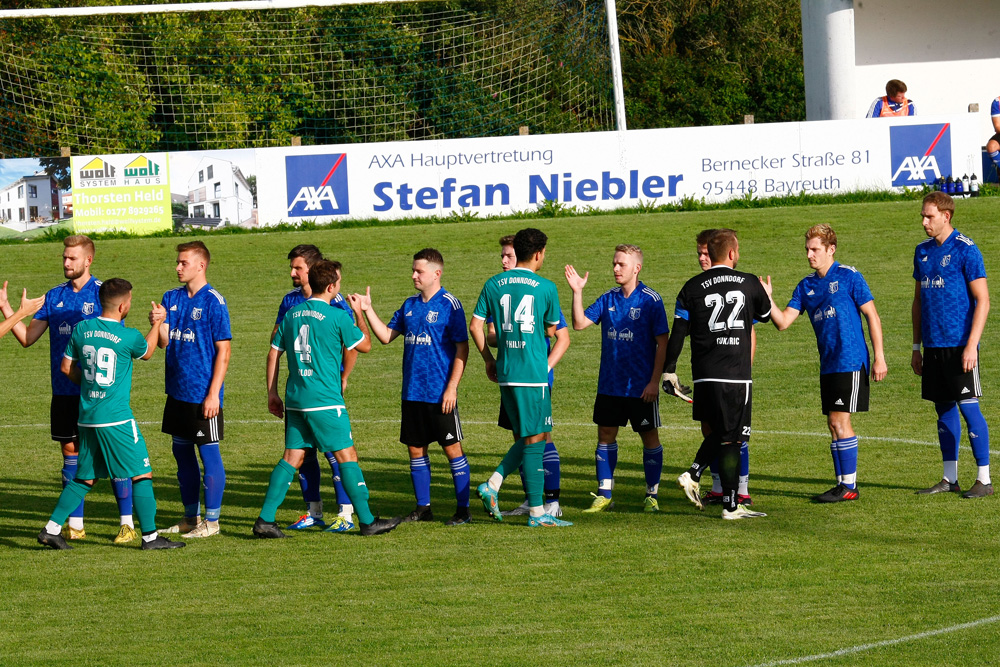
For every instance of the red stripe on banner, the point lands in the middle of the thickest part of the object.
(933, 143)
(341, 159)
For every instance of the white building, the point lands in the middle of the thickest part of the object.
(218, 191)
(29, 198)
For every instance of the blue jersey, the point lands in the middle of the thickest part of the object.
(832, 302)
(63, 310)
(629, 327)
(295, 297)
(946, 303)
(196, 324)
(548, 344)
(430, 331)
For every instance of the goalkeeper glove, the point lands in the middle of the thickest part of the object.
(673, 387)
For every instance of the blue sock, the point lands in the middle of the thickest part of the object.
(847, 451)
(834, 447)
(68, 475)
(188, 476)
(420, 474)
(215, 479)
(745, 459)
(309, 476)
(613, 456)
(995, 156)
(460, 476)
(949, 431)
(652, 465)
(605, 471)
(338, 486)
(714, 466)
(979, 433)
(123, 494)
(550, 462)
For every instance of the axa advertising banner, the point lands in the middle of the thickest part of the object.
(610, 170)
(121, 192)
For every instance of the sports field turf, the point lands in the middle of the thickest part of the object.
(680, 587)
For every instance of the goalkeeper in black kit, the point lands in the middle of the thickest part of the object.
(716, 309)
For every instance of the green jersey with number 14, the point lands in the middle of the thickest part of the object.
(314, 334)
(105, 350)
(521, 304)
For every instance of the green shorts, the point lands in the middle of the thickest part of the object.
(528, 408)
(328, 430)
(117, 451)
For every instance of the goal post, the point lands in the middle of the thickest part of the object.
(254, 73)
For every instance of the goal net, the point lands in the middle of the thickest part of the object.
(116, 83)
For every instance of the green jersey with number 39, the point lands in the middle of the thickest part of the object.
(104, 350)
(314, 335)
(521, 304)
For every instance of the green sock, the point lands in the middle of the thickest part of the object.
(281, 478)
(144, 504)
(69, 500)
(512, 460)
(534, 473)
(357, 490)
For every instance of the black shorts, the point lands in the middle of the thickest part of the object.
(943, 379)
(185, 420)
(63, 414)
(620, 410)
(844, 392)
(725, 407)
(424, 423)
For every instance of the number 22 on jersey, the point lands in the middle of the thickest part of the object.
(715, 302)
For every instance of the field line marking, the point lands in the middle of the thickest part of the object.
(886, 642)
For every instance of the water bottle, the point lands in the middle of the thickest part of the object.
(959, 191)
(965, 184)
(949, 185)
(973, 186)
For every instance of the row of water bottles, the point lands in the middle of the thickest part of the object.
(958, 187)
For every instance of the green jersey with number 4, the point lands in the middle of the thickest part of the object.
(104, 350)
(521, 304)
(314, 334)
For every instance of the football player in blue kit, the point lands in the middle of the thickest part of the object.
(66, 305)
(634, 334)
(300, 260)
(435, 352)
(197, 337)
(950, 305)
(834, 297)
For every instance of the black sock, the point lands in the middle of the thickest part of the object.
(551, 495)
(706, 454)
(729, 473)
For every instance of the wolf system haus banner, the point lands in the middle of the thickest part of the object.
(121, 192)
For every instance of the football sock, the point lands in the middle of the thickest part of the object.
(281, 479)
(536, 511)
(949, 433)
(979, 433)
(71, 496)
(613, 456)
(511, 461)
(356, 490)
(534, 474)
(215, 479)
(309, 475)
(605, 475)
(420, 475)
(995, 156)
(338, 485)
(145, 505)
(847, 452)
(744, 469)
(460, 477)
(983, 476)
(836, 460)
(706, 453)
(188, 476)
(729, 467)
(550, 461)
(713, 468)
(123, 494)
(652, 466)
(69, 474)
(316, 509)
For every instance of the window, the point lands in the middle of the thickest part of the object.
(33, 212)
(20, 192)
(199, 211)
(218, 190)
(20, 214)
(215, 211)
(201, 177)
(210, 171)
(33, 191)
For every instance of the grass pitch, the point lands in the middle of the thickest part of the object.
(680, 587)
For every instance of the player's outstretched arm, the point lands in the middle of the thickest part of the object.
(479, 338)
(916, 361)
(384, 334)
(576, 284)
(970, 356)
(71, 369)
(27, 308)
(671, 384)
(879, 367)
(157, 315)
(782, 318)
(365, 345)
(274, 404)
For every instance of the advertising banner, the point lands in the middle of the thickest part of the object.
(121, 193)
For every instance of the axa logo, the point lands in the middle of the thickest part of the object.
(919, 153)
(316, 185)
